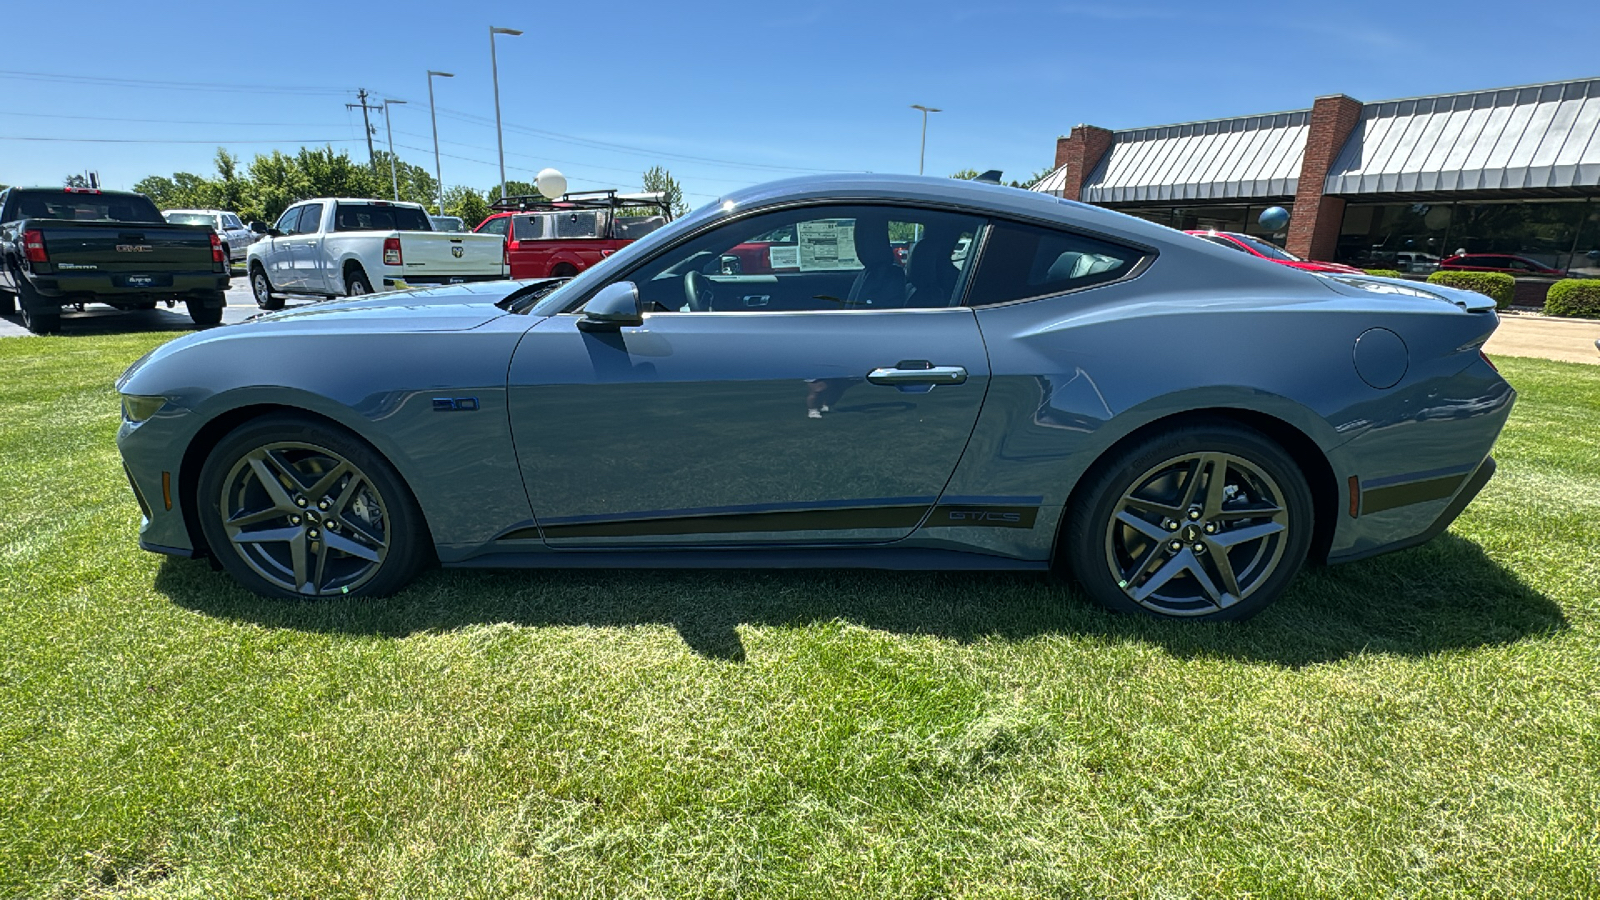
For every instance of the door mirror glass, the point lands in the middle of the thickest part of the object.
(614, 306)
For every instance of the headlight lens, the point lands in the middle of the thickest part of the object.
(137, 409)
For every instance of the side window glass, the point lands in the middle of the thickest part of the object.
(496, 226)
(835, 257)
(288, 221)
(1024, 261)
(310, 219)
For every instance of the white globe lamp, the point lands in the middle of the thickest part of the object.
(551, 183)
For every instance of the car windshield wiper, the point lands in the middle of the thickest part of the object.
(525, 298)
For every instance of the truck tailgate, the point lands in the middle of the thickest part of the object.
(126, 248)
(451, 253)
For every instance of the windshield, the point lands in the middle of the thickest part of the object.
(191, 219)
(1270, 251)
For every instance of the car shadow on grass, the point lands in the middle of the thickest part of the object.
(1446, 595)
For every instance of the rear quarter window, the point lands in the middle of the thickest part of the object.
(1020, 262)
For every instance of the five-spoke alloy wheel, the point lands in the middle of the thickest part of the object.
(1208, 522)
(295, 508)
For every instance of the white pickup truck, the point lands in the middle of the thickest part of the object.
(345, 247)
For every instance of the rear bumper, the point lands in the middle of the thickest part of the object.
(1469, 490)
(105, 288)
(402, 282)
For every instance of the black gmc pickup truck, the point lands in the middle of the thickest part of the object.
(68, 246)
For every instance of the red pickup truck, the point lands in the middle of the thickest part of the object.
(560, 238)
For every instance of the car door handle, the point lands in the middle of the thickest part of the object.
(906, 372)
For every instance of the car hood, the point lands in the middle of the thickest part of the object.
(455, 308)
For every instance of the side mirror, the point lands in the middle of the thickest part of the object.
(614, 307)
(258, 228)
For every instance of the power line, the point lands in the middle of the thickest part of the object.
(219, 141)
(174, 121)
(168, 85)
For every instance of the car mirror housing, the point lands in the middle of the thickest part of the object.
(613, 307)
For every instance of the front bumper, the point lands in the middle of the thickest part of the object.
(152, 456)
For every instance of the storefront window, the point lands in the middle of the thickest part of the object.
(1404, 236)
(1541, 231)
(1586, 258)
(1245, 219)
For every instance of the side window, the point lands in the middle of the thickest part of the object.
(834, 257)
(310, 219)
(289, 220)
(496, 226)
(233, 221)
(1024, 261)
(1221, 241)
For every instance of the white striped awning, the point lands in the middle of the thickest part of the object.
(1054, 184)
(1542, 136)
(1251, 156)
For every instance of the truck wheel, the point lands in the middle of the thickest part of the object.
(356, 283)
(262, 289)
(33, 319)
(8, 303)
(204, 314)
(563, 270)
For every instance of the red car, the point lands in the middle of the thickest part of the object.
(1500, 262)
(559, 239)
(1257, 247)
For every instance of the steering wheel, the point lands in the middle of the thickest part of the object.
(696, 291)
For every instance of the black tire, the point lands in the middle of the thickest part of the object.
(356, 283)
(1178, 542)
(206, 311)
(378, 514)
(261, 288)
(32, 318)
(8, 303)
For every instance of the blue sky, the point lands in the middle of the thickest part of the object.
(723, 95)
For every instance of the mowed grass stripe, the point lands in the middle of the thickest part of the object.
(1423, 724)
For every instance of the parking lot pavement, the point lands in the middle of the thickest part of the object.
(1543, 337)
(105, 320)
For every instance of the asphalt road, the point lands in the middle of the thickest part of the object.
(104, 320)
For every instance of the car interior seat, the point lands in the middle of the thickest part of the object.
(930, 274)
(881, 282)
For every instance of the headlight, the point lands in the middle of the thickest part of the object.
(137, 409)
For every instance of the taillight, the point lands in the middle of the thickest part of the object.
(33, 242)
(391, 252)
(216, 248)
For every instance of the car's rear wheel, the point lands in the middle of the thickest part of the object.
(206, 311)
(35, 319)
(295, 508)
(8, 303)
(1205, 522)
(261, 287)
(356, 283)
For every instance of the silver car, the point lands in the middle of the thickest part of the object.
(846, 371)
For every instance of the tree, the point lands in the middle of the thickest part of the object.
(77, 181)
(657, 178)
(417, 184)
(468, 204)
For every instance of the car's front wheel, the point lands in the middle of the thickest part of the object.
(295, 508)
(1207, 522)
(261, 287)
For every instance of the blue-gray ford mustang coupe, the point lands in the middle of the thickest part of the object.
(852, 371)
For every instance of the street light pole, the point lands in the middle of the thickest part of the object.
(922, 155)
(494, 68)
(393, 177)
(438, 173)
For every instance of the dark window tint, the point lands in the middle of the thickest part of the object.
(1022, 261)
(85, 207)
(310, 219)
(373, 217)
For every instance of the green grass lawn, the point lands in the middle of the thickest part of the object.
(1421, 725)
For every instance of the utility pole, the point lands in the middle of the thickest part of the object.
(366, 124)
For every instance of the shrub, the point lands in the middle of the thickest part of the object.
(1574, 297)
(1500, 286)
(1385, 273)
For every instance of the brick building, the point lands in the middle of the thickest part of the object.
(1397, 183)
